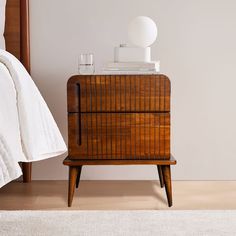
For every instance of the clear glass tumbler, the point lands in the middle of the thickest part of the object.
(86, 64)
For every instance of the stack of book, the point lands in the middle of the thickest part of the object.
(132, 67)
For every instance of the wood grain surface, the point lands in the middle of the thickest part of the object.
(119, 117)
(17, 30)
(119, 93)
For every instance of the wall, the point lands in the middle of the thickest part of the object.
(197, 49)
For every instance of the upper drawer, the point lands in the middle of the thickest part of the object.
(118, 93)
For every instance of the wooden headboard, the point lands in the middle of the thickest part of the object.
(17, 30)
(18, 43)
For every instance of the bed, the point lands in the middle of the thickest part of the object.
(18, 43)
(28, 131)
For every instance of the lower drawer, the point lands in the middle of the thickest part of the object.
(126, 136)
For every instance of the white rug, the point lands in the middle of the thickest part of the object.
(110, 223)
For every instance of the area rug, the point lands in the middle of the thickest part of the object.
(112, 223)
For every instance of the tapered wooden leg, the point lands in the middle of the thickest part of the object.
(78, 176)
(72, 181)
(167, 181)
(160, 176)
(27, 170)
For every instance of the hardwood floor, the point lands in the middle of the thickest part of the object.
(118, 195)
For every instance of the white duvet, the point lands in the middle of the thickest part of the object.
(28, 131)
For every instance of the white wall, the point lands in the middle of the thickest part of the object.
(197, 49)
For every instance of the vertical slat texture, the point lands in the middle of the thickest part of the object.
(145, 91)
(106, 102)
(134, 115)
(96, 114)
(144, 94)
(101, 122)
(86, 114)
(91, 115)
(110, 116)
(140, 109)
(164, 154)
(149, 114)
(114, 117)
(121, 138)
(132, 118)
(122, 117)
(155, 108)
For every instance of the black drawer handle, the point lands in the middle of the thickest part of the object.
(79, 141)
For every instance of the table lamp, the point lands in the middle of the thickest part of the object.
(142, 32)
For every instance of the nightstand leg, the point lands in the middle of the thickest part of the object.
(167, 180)
(73, 171)
(160, 176)
(78, 176)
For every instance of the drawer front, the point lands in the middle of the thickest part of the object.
(119, 93)
(128, 136)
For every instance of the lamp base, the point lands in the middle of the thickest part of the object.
(132, 54)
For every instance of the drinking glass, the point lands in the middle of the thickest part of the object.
(86, 64)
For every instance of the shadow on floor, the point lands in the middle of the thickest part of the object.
(53, 194)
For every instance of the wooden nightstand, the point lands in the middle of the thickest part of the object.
(119, 120)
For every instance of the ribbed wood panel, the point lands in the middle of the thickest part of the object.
(141, 93)
(119, 117)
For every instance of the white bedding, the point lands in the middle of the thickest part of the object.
(2, 23)
(28, 131)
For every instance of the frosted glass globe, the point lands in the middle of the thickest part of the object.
(142, 31)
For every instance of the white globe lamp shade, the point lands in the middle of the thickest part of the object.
(142, 31)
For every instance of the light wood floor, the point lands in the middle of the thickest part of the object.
(118, 195)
